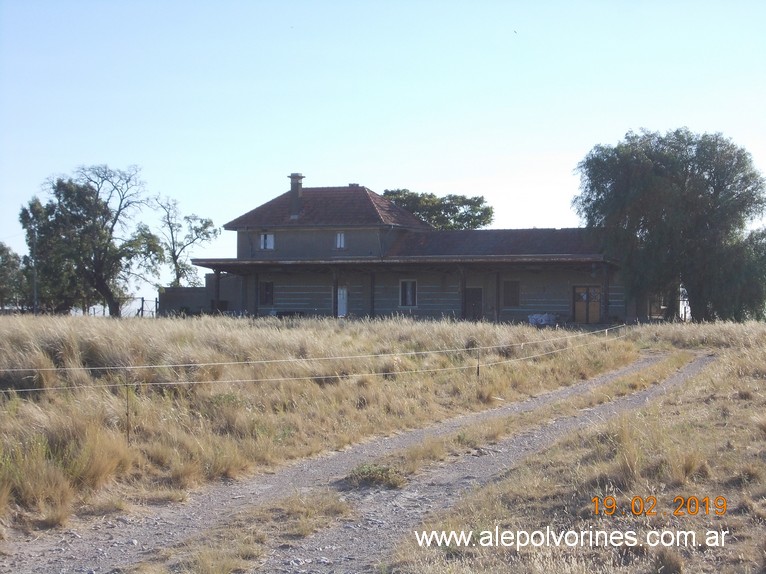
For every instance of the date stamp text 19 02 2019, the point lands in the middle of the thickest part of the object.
(647, 506)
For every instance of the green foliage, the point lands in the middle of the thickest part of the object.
(50, 268)
(11, 278)
(82, 245)
(179, 234)
(675, 208)
(449, 212)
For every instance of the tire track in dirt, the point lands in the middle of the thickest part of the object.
(385, 516)
(116, 541)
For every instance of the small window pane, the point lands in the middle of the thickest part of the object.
(340, 240)
(408, 294)
(267, 241)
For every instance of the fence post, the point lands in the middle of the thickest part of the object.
(127, 411)
(478, 361)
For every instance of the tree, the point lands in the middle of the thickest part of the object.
(448, 212)
(83, 242)
(49, 268)
(178, 236)
(11, 278)
(674, 209)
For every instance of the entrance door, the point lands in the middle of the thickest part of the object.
(342, 301)
(587, 304)
(474, 303)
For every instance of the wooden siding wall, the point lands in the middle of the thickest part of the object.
(309, 294)
(617, 302)
(358, 294)
(229, 295)
(543, 292)
(439, 294)
(184, 300)
(310, 245)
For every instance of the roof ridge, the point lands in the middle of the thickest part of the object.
(397, 209)
(374, 203)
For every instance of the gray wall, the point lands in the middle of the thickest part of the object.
(183, 300)
(316, 244)
(438, 293)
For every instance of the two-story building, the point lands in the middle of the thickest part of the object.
(347, 251)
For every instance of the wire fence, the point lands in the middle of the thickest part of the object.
(592, 337)
(129, 307)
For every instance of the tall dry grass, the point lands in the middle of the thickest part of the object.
(719, 335)
(705, 439)
(166, 405)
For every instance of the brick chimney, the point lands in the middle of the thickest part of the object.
(296, 193)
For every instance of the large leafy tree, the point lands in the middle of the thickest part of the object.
(84, 243)
(448, 212)
(11, 278)
(675, 209)
(179, 235)
(50, 269)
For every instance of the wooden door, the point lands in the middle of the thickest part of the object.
(587, 304)
(342, 301)
(474, 303)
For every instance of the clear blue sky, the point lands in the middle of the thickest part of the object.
(219, 101)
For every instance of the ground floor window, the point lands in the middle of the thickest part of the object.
(266, 293)
(408, 293)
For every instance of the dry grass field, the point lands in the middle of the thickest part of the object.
(96, 415)
(694, 461)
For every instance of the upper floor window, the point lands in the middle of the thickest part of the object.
(340, 240)
(267, 241)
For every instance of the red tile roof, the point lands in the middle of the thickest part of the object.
(498, 242)
(349, 206)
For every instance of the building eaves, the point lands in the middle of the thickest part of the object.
(237, 266)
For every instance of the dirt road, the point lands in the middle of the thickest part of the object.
(382, 517)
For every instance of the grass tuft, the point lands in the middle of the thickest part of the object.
(688, 465)
(376, 475)
(762, 557)
(667, 561)
(760, 423)
(749, 473)
(302, 515)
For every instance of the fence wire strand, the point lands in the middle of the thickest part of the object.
(303, 359)
(308, 361)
